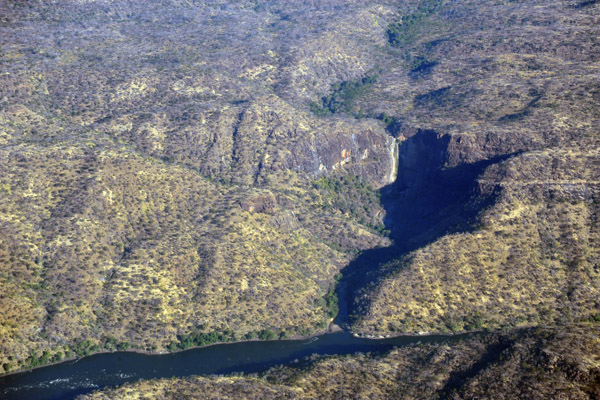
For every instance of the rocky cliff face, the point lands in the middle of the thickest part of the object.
(420, 157)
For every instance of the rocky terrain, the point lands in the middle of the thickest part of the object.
(179, 173)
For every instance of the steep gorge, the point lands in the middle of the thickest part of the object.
(156, 197)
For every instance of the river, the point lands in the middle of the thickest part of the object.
(72, 378)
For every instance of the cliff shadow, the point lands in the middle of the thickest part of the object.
(425, 202)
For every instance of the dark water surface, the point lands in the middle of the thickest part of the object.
(72, 378)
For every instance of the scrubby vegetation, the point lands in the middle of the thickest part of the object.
(165, 183)
(132, 275)
(157, 193)
(351, 195)
(409, 25)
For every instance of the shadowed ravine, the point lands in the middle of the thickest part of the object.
(425, 202)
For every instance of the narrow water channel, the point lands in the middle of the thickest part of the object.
(72, 378)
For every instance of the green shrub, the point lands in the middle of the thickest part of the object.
(404, 29)
(342, 97)
(266, 334)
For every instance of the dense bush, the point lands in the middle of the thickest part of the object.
(404, 30)
(342, 97)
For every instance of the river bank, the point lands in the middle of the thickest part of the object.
(331, 328)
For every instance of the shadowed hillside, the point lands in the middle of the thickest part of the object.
(425, 203)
